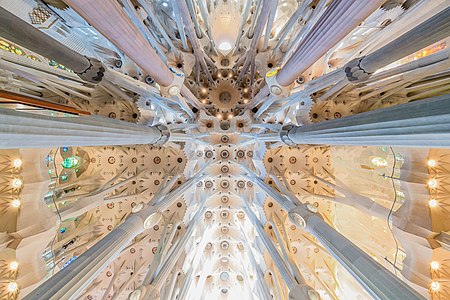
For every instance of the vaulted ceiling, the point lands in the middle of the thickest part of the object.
(224, 149)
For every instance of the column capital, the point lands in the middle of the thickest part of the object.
(149, 216)
(355, 72)
(300, 214)
(284, 134)
(165, 134)
(95, 72)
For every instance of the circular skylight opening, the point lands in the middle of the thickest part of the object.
(225, 46)
(224, 276)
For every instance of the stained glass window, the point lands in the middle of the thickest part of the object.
(71, 162)
(58, 66)
(11, 48)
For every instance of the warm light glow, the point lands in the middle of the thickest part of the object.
(17, 183)
(14, 265)
(379, 161)
(431, 163)
(219, 116)
(12, 287)
(225, 46)
(432, 183)
(432, 203)
(435, 286)
(17, 163)
(15, 203)
(434, 265)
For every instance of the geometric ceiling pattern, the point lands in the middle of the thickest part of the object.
(224, 149)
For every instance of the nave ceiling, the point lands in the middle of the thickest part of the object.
(224, 149)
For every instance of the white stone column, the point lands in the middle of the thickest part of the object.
(297, 290)
(26, 35)
(373, 277)
(109, 18)
(338, 20)
(427, 33)
(72, 280)
(30, 130)
(150, 289)
(424, 123)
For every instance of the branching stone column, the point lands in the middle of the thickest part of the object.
(297, 290)
(373, 277)
(71, 281)
(29, 130)
(262, 288)
(24, 34)
(424, 123)
(150, 289)
(431, 31)
(338, 20)
(84, 203)
(190, 30)
(108, 17)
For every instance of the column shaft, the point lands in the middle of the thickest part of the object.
(287, 276)
(24, 34)
(423, 123)
(29, 130)
(167, 200)
(175, 253)
(68, 283)
(108, 17)
(338, 20)
(421, 36)
(373, 277)
(71, 281)
(298, 289)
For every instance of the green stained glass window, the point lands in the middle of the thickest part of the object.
(71, 162)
